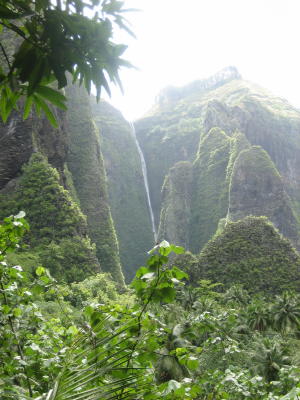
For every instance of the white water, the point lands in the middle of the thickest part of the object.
(144, 170)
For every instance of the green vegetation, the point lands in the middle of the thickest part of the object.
(176, 204)
(58, 235)
(171, 340)
(57, 38)
(250, 252)
(238, 143)
(98, 289)
(165, 139)
(180, 123)
(52, 213)
(224, 326)
(256, 188)
(127, 196)
(210, 196)
(85, 163)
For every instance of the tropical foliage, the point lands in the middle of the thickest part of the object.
(163, 338)
(42, 41)
(58, 235)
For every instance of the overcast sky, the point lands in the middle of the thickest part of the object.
(179, 41)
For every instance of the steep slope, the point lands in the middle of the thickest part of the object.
(250, 252)
(127, 195)
(85, 163)
(211, 123)
(19, 139)
(257, 188)
(58, 235)
(165, 140)
(210, 197)
(175, 213)
(76, 141)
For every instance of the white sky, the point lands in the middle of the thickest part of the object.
(179, 41)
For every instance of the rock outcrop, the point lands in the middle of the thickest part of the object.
(85, 162)
(243, 144)
(256, 188)
(74, 151)
(250, 252)
(127, 195)
(175, 213)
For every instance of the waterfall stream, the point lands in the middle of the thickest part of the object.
(145, 177)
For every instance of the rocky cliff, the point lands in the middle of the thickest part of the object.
(85, 162)
(127, 195)
(217, 151)
(78, 183)
(242, 146)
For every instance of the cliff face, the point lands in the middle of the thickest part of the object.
(257, 188)
(19, 139)
(74, 151)
(85, 162)
(209, 193)
(244, 146)
(58, 236)
(175, 213)
(166, 139)
(127, 195)
(216, 150)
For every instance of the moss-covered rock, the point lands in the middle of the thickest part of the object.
(20, 139)
(127, 195)
(238, 143)
(56, 222)
(249, 116)
(256, 188)
(85, 163)
(250, 252)
(209, 199)
(165, 140)
(176, 205)
(48, 206)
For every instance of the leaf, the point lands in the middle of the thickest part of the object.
(21, 214)
(192, 363)
(148, 276)
(59, 74)
(49, 114)
(167, 294)
(172, 386)
(36, 74)
(177, 249)
(72, 330)
(5, 309)
(27, 107)
(40, 271)
(54, 96)
(164, 244)
(141, 271)
(181, 351)
(17, 312)
(179, 274)
(98, 366)
(6, 13)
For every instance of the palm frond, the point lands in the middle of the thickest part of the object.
(99, 365)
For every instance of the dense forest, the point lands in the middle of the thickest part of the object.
(145, 260)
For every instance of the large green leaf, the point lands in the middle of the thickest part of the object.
(54, 96)
(99, 366)
(41, 104)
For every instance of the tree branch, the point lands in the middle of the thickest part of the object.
(5, 55)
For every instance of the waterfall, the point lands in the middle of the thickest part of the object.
(144, 171)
